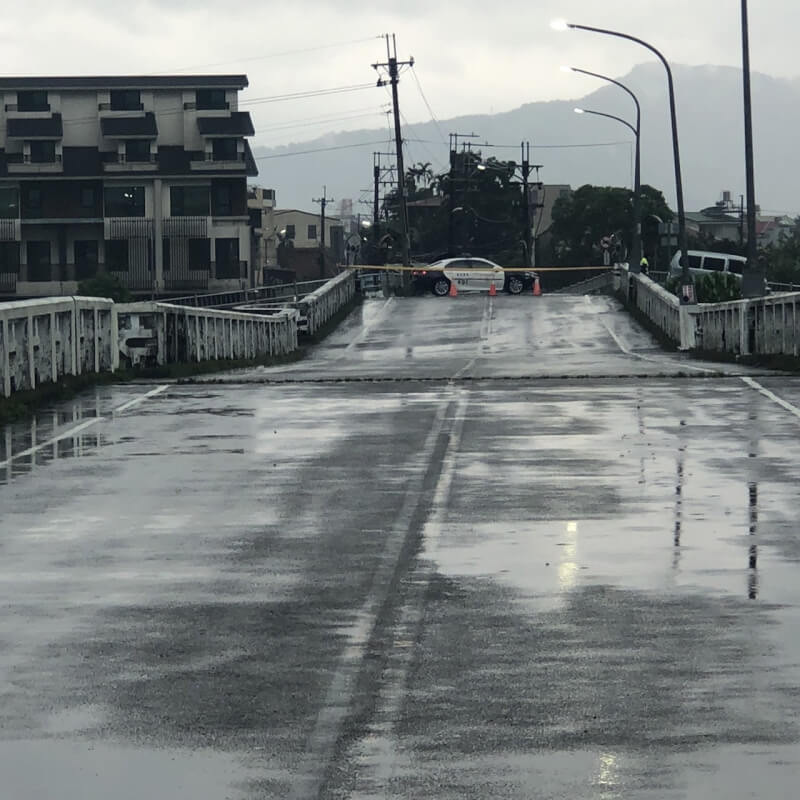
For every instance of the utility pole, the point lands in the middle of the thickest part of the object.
(393, 66)
(323, 202)
(451, 189)
(527, 221)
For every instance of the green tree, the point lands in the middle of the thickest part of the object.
(583, 218)
(487, 217)
(104, 286)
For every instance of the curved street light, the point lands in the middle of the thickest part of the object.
(687, 293)
(636, 245)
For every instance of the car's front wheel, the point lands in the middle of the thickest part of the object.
(515, 285)
(441, 287)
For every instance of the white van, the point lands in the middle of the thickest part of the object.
(704, 261)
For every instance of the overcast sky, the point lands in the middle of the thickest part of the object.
(472, 56)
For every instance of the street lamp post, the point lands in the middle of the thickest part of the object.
(752, 279)
(636, 244)
(687, 287)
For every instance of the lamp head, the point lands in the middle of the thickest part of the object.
(560, 25)
(579, 111)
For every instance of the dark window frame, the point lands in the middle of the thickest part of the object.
(12, 204)
(31, 100)
(125, 100)
(178, 201)
(117, 261)
(43, 151)
(311, 231)
(113, 206)
(143, 156)
(225, 149)
(210, 100)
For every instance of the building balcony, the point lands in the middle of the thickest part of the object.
(122, 164)
(210, 165)
(13, 110)
(107, 108)
(10, 230)
(186, 227)
(8, 282)
(25, 166)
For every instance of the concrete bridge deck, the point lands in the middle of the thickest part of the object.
(464, 550)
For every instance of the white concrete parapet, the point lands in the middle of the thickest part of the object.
(324, 303)
(161, 333)
(41, 341)
(758, 326)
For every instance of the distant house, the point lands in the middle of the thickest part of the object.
(301, 243)
(772, 230)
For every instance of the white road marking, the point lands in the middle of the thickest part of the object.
(377, 319)
(485, 333)
(82, 426)
(52, 440)
(628, 352)
(141, 399)
(792, 409)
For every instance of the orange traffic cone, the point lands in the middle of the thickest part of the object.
(453, 290)
(492, 290)
(537, 289)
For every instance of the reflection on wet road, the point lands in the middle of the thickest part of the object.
(465, 549)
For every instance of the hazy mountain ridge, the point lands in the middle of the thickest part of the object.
(710, 127)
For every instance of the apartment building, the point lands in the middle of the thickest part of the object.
(143, 178)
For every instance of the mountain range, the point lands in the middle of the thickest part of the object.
(710, 127)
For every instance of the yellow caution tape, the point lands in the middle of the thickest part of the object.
(399, 268)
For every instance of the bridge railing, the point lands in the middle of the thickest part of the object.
(43, 341)
(767, 325)
(162, 333)
(317, 308)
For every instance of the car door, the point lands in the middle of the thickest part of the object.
(487, 272)
(462, 273)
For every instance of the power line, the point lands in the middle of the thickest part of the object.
(427, 104)
(323, 149)
(273, 55)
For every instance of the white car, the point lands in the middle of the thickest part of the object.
(471, 275)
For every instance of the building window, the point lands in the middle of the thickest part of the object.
(39, 261)
(165, 254)
(86, 258)
(211, 99)
(200, 254)
(31, 202)
(117, 255)
(88, 197)
(124, 201)
(312, 231)
(188, 201)
(126, 100)
(290, 231)
(9, 257)
(222, 196)
(43, 152)
(227, 257)
(35, 100)
(137, 150)
(9, 203)
(225, 149)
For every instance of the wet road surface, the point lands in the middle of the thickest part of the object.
(465, 549)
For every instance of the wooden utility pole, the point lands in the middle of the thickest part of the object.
(393, 67)
(323, 202)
